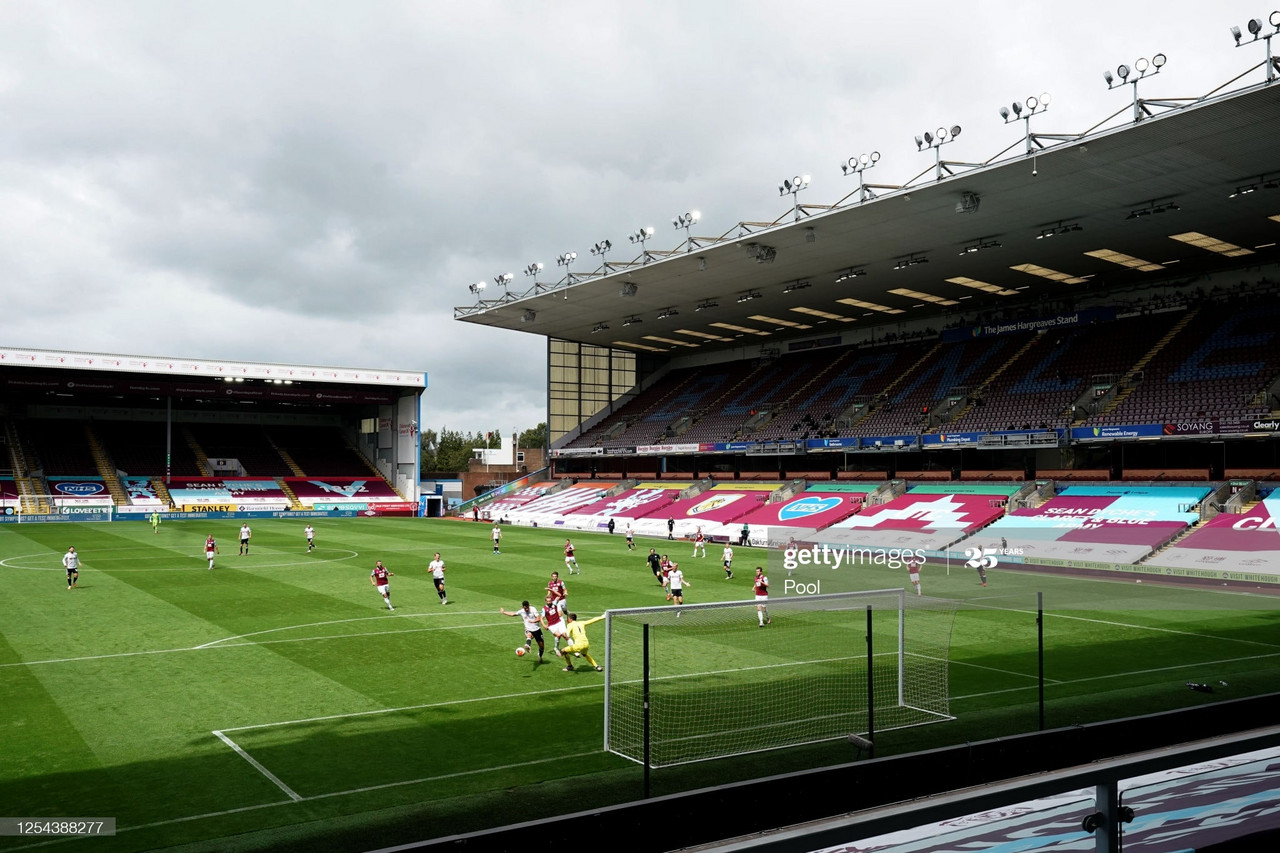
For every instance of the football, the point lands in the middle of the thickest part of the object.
(520, 650)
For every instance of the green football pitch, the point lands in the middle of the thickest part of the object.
(276, 702)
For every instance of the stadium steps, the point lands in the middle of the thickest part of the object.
(1182, 534)
(884, 394)
(785, 405)
(981, 390)
(294, 503)
(288, 460)
(30, 491)
(162, 491)
(202, 459)
(1126, 381)
(373, 469)
(285, 457)
(106, 469)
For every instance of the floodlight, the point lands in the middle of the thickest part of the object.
(1255, 26)
(1159, 60)
(528, 316)
(1106, 75)
(601, 247)
(1123, 72)
(1017, 108)
(1004, 113)
(1235, 33)
(919, 142)
(476, 288)
(1045, 98)
(928, 138)
(1275, 19)
(955, 131)
(1032, 103)
(1141, 65)
(533, 269)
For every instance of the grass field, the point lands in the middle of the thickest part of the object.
(276, 702)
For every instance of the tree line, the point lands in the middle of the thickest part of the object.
(450, 450)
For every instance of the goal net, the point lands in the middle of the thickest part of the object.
(719, 684)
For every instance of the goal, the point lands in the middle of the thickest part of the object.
(704, 681)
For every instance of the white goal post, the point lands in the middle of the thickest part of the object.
(703, 681)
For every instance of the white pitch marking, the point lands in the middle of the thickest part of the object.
(292, 794)
(339, 622)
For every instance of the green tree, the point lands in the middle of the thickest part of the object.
(536, 437)
(430, 445)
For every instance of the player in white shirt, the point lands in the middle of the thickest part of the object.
(437, 577)
(728, 562)
(71, 562)
(631, 537)
(532, 618)
(245, 533)
(311, 538)
(497, 538)
(676, 583)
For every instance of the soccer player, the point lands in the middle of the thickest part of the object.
(497, 538)
(553, 618)
(699, 543)
(437, 577)
(210, 548)
(578, 643)
(655, 564)
(982, 573)
(556, 592)
(664, 569)
(311, 538)
(245, 533)
(380, 578)
(570, 561)
(532, 625)
(728, 562)
(913, 571)
(671, 528)
(631, 538)
(155, 522)
(762, 597)
(676, 583)
(71, 562)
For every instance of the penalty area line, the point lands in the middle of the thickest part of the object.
(257, 765)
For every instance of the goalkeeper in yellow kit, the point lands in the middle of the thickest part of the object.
(578, 643)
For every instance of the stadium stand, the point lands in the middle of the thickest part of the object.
(1219, 366)
(1113, 523)
(248, 444)
(1055, 371)
(318, 451)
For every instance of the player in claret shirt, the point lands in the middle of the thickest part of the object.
(532, 625)
(699, 543)
(557, 594)
(553, 618)
(210, 548)
(761, 585)
(379, 577)
(570, 561)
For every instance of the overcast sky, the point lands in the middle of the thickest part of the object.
(317, 182)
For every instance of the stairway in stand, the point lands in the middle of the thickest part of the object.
(106, 469)
(202, 458)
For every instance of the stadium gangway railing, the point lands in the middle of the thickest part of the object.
(504, 489)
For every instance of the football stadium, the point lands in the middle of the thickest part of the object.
(938, 516)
